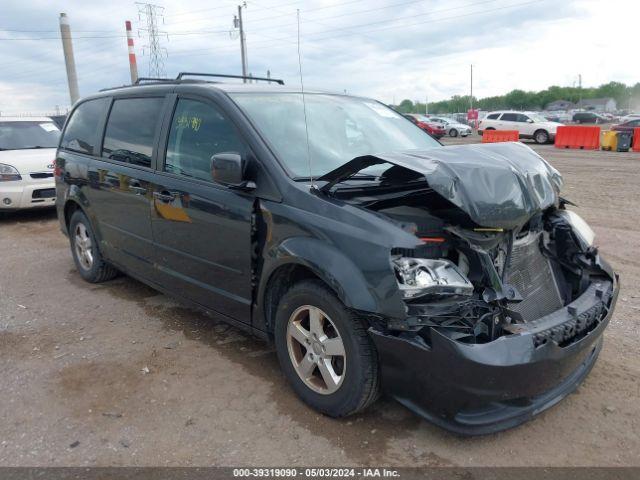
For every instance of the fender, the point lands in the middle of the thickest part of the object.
(75, 194)
(331, 266)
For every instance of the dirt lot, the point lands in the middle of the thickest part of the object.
(74, 388)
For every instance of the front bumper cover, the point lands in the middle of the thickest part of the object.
(486, 388)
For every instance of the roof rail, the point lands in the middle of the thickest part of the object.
(217, 75)
(152, 79)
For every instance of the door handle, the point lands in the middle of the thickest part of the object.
(165, 196)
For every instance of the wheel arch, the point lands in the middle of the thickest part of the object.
(303, 258)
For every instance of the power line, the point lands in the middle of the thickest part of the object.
(151, 13)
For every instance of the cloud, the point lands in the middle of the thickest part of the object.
(392, 49)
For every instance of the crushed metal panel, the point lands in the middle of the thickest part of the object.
(497, 184)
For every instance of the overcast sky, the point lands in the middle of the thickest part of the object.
(386, 49)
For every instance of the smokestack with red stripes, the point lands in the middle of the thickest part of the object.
(132, 54)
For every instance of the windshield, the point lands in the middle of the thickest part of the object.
(24, 135)
(536, 117)
(340, 129)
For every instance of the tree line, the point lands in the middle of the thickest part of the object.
(627, 98)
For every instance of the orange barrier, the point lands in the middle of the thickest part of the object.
(636, 140)
(493, 136)
(578, 137)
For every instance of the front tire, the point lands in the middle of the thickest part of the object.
(86, 254)
(324, 351)
(453, 132)
(541, 137)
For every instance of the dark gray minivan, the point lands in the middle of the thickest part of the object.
(453, 278)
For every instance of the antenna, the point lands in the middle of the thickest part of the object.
(304, 104)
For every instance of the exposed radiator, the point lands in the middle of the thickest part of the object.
(530, 272)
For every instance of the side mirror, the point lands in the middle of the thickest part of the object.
(529, 120)
(228, 169)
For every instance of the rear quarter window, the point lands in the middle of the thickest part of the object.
(81, 134)
(131, 130)
(493, 116)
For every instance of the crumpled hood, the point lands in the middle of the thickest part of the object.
(499, 185)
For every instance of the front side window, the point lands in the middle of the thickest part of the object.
(24, 135)
(199, 131)
(339, 128)
(131, 130)
(81, 133)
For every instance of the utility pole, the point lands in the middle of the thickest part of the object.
(70, 63)
(579, 87)
(471, 96)
(151, 13)
(426, 105)
(133, 66)
(237, 23)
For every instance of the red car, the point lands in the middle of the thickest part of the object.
(433, 129)
(627, 126)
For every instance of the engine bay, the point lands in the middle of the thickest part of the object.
(479, 283)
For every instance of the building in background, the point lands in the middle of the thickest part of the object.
(598, 104)
(560, 105)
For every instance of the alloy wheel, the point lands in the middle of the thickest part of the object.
(82, 243)
(542, 137)
(316, 349)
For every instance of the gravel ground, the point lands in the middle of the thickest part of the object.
(118, 374)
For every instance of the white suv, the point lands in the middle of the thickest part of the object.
(27, 154)
(528, 124)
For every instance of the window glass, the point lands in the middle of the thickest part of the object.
(199, 131)
(338, 128)
(81, 133)
(493, 116)
(509, 117)
(27, 134)
(131, 129)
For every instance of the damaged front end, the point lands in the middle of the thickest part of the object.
(506, 295)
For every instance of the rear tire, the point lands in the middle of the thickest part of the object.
(353, 362)
(453, 132)
(86, 254)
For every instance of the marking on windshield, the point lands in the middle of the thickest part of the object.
(184, 121)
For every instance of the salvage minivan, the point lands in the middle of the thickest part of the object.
(455, 279)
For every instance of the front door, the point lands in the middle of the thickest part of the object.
(120, 183)
(202, 230)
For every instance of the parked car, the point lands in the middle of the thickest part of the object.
(425, 123)
(528, 124)
(628, 126)
(27, 152)
(629, 117)
(588, 117)
(371, 255)
(451, 127)
(557, 117)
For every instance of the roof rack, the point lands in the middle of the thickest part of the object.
(218, 75)
(152, 79)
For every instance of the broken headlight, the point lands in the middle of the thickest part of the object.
(418, 277)
(580, 228)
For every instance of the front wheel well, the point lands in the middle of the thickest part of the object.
(280, 281)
